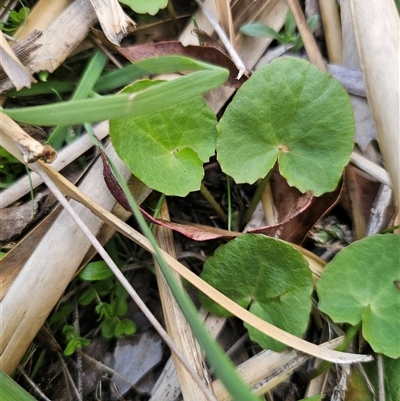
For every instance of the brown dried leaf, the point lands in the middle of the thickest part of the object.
(296, 229)
(292, 203)
(208, 54)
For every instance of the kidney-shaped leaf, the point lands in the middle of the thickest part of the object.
(293, 113)
(166, 150)
(359, 284)
(265, 275)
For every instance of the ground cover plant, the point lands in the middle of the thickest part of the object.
(287, 135)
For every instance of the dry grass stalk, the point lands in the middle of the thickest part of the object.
(12, 263)
(271, 13)
(115, 23)
(31, 149)
(333, 35)
(42, 15)
(167, 386)
(66, 156)
(365, 129)
(60, 39)
(119, 275)
(310, 45)
(14, 69)
(49, 269)
(267, 369)
(292, 341)
(225, 18)
(376, 28)
(176, 323)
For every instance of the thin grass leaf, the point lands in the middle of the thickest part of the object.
(43, 88)
(290, 24)
(88, 79)
(221, 364)
(258, 30)
(122, 105)
(150, 66)
(11, 391)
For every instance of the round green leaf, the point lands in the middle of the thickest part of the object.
(145, 6)
(265, 275)
(359, 285)
(166, 150)
(96, 271)
(293, 113)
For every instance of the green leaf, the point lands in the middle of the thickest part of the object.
(88, 296)
(69, 332)
(298, 42)
(124, 105)
(313, 22)
(96, 271)
(11, 391)
(119, 306)
(166, 150)
(145, 6)
(120, 291)
(74, 340)
(359, 285)
(63, 313)
(125, 327)
(288, 111)
(258, 30)
(90, 75)
(221, 365)
(108, 327)
(71, 347)
(392, 378)
(265, 275)
(290, 24)
(75, 343)
(105, 310)
(104, 287)
(19, 16)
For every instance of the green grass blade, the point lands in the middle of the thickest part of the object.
(150, 66)
(118, 78)
(85, 86)
(12, 391)
(91, 75)
(122, 105)
(43, 88)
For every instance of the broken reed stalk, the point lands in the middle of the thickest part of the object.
(32, 150)
(176, 324)
(376, 28)
(13, 67)
(310, 45)
(332, 30)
